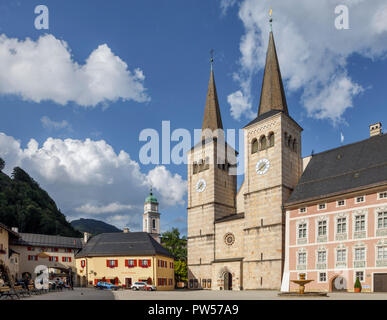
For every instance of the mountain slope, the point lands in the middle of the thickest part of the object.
(93, 226)
(23, 204)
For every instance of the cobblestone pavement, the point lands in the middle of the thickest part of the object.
(235, 295)
(76, 294)
(94, 294)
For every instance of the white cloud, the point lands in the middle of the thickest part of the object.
(226, 4)
(171, 187)
(110, 208)
(45, 70)
(313, 54)
(87, 177)
(56, 125)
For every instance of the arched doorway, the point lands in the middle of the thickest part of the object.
(227, 281)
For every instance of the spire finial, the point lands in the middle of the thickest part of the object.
(271, 19)
(212, 57)
(151, 190)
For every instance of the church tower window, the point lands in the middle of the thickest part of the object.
(263, 143)
(254, 146)
(271, 139)
(195, 168)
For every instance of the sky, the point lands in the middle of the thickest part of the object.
(75, 97)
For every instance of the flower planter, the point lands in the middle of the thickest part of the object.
(357, 290)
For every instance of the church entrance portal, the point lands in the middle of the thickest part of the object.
(227, 280)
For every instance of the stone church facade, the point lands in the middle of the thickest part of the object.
(236, 238)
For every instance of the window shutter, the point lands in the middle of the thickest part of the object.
(56, 259)
(135, 263)
(107, 263)
(126, 262)
(149, 263)
(69, 259)
(116, 263)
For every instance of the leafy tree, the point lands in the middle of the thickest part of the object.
(175, 244)
(181, 271)
(2, 164)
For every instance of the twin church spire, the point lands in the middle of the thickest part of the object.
(272, 92)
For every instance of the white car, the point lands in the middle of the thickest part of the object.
(140, 285)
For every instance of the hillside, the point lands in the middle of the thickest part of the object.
(23, 204)
(93, 226)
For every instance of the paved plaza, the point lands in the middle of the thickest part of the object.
(94, 294)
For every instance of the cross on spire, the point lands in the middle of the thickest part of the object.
(212, 57)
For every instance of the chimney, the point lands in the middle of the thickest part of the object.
(86, 236)
(375, 129)
(15, 229)
(126, 230)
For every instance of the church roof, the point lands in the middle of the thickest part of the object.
(44, 240)
(212, 118)
(349, 168)
(272, 92)
(151, 198)
(122, 244)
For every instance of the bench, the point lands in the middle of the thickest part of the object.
(8, 292)
(33, 290)
(20, 290)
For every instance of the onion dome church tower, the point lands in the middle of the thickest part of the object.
(151, 217)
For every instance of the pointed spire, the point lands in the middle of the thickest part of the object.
(212, 119)
(272, 93)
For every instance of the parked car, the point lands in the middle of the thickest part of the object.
(106, 285)
(141, 285)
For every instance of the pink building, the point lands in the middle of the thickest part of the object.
(336, 219)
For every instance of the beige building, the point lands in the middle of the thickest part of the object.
(236, 237)
(9, 258)
(124, 258)
(55, 252)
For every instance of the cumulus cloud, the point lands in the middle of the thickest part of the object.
(88, 178)
(55, 125)
(313, 54)
(45, 70)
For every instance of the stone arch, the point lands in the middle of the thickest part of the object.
(271, 139)
(254, 146)
(262, 142)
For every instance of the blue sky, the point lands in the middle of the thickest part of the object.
(334, 79)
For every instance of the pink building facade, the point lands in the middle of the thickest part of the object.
(337, 239)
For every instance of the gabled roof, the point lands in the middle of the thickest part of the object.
(272, 92)
(9, 230)
(212, 119)
(122, 244)
(43, 240)
(352, 167)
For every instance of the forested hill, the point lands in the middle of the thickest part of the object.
(93, 226)
(25, 205)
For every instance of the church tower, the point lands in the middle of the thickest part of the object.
(151, 217)
(211, 189)
(273, 166)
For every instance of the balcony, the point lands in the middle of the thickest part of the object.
(341, 264)
(359, 234)
(381, 263)
(341, 236)
(381, 232)
(359, 264)
(320, 266)
(322, 238)
(302, 240)
(301, 267)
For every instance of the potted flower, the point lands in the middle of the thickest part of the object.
(357, 286)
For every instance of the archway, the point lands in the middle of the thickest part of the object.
(227, 281)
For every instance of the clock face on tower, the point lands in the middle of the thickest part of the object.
(262, 166)
(200, 185)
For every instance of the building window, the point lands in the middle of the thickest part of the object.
(195, 168)
(302, 229)
(191, 283)
(111, 263)
(254, 146)
(382, 252)
(341, 255)
(360, 275)
(294, 146)
(321, 256)
(302, 210)
(53, 259)
(382, 195)
(208, 283)
(382, 220)
(322, 206)
(340, 203)
(360, 199)
(271, 139)
(263, 143)
(322, 228)
(204, 283)
(302, 258)
(360, 254)
(360, 223)
(341, 225)
(322, 277)
(154, 223)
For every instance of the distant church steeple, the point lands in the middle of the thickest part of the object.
(151, 216)
(272, 93)
(212, 119)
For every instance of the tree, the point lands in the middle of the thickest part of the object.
(181, 271)
(2, 164)
(175, 244)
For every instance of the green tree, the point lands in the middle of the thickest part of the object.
(175, 244)
(2, 164)
(181, 271)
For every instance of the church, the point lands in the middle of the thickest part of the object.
(241, 239)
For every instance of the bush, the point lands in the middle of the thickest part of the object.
(357, 283)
